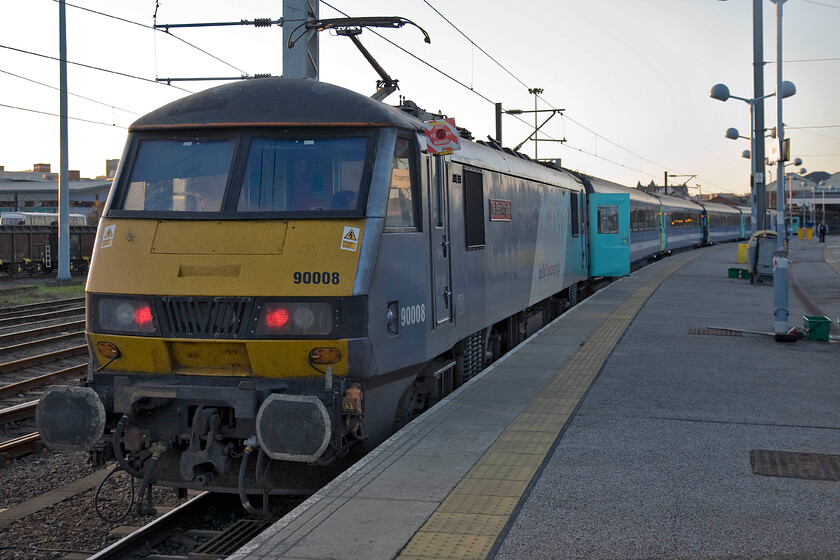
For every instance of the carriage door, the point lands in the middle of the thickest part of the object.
(441, 249)
(609, 235)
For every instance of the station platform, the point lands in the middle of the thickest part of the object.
(649, 421)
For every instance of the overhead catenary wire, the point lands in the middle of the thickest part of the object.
(415, 57)
(804, 60)
(112, 125)
(486, 98)
(124, 20)
(69, 93)
(455, 27)
(822, 4)
(90, 67)
(565, 115)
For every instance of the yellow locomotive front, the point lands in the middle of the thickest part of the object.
(225, 308)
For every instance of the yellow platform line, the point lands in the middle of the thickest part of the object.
(468, 522)
(830, 259)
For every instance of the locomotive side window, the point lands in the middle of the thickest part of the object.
(474, 209)
(608, 219)
(179, 175)
(575, 215)
(302, 173)
(402, 207)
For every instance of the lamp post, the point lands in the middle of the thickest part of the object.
(780, 261)
(822, 188)
(780, 256)
(797, 162)
(758, 200)
(758, 204)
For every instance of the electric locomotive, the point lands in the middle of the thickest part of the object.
(282, 269)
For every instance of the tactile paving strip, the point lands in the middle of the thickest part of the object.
(469, 521)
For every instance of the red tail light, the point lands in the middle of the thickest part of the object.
(125, 315)
(298, 318)
(276, 317)
(143, 316)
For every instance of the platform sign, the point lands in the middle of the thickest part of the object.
(442, 137)
(779, 150)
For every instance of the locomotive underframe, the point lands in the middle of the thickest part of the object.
(203, 424)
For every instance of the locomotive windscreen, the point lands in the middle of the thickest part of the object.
(303, 173)
(179, 175)
(263, 173)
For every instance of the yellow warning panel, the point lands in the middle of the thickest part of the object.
(504, 459)
(508, 446)
(491, 505)
(502, 472)
(449, 546)
(459, 523)
(489, 487)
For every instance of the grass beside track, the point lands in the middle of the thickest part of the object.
(22, 294)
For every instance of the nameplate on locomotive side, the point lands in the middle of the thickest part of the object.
(500, 210)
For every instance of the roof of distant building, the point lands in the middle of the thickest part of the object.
(817, 176)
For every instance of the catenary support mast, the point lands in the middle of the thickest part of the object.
(301, 61)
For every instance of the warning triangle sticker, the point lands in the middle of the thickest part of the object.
(351, 236)
(349, 406)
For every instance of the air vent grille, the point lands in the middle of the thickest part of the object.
(196, 317)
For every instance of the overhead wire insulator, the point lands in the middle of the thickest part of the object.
(262, 22)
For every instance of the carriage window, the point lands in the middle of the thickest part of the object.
(402, 212)
(608, 219)
(179, 175)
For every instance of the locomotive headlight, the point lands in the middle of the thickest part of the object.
(294, 318)
(304, 318)
(123, 315)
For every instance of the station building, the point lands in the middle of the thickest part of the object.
(37, 191)
(810, 198)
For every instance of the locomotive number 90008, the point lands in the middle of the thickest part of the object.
(316, 278)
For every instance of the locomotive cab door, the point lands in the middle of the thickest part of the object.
(609, 235)
(441, 251)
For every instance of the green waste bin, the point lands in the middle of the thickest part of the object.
(734, 272)
(817, 327)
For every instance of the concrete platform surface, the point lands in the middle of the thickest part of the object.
(622, 430)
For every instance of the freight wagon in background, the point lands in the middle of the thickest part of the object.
(29, 243)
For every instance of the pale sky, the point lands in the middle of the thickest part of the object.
(633, 76)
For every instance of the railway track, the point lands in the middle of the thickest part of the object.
(26, 319)
(42, 331)
(210, 526)
(30, 307)
(39, 359)
(202, 528)
(40, 380)
(25, 354)
(21, 445)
